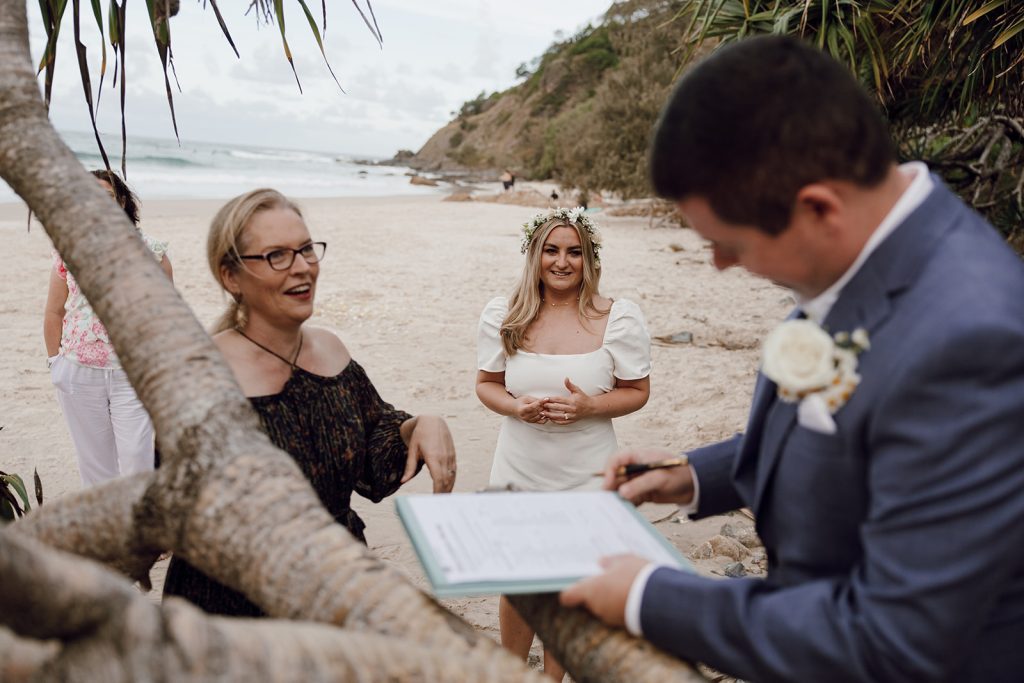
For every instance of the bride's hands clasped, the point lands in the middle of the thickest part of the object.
(565, 410)
(530, 409)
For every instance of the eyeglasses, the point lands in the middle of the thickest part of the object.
(282, 259)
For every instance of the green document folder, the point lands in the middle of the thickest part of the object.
(503, 543)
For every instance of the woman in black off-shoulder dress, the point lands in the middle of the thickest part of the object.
(313, 400)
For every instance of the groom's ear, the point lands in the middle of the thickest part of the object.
(821, 206)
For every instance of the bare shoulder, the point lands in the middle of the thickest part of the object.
(230, 344)
(257, 373)
(240, 353)
(324, 353)
(324, 339)
(603, 304)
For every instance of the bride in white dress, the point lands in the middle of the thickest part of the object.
(558, 361)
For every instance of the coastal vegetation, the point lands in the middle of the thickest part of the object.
(949, 75)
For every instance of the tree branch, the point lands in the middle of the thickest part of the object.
(21, 658)
(592, 651)
(98, 523)
(110, 632)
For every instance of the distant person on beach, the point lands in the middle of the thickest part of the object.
(883, 458)
(312, 398)
(508, 179)
(583, 199)
(110, 429)
(558, 361)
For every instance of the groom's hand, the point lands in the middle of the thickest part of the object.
(605, 595)
(670, 485)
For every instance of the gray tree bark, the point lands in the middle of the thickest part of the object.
(225, 498)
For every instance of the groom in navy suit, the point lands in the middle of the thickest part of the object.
(890, 500)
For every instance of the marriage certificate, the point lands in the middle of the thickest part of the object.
(487, 543)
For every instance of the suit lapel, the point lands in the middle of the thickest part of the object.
(866, 301)
(745, 467)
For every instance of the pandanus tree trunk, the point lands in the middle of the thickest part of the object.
(224, 498)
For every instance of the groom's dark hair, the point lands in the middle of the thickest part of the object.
(759, 119)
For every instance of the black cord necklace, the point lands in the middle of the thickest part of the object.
(291, 363)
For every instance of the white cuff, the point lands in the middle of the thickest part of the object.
(691, 507)
(635, 597)
(50, 359)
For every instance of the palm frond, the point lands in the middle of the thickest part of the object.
(53, 14)
(957, 53)
(83, 69)
(160, 13)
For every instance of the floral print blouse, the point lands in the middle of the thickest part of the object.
(83, 338)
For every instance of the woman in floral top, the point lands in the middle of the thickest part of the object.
(110, 429)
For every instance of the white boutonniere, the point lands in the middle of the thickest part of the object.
(813, 369)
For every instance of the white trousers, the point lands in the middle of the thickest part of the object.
(111, 431)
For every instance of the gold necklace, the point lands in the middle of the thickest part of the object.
(567, 303)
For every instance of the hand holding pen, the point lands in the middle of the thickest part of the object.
(650, 475)
(634, 468)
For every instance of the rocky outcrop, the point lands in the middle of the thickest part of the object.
(507, 129)
(582, 117)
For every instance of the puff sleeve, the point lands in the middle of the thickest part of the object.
(490, 354)
(628, 341)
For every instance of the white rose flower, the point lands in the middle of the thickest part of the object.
(846, 361)
(799, 356)
(860, 338)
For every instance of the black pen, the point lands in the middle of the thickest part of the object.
(635, 468)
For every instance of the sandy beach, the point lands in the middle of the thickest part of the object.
(403, 283)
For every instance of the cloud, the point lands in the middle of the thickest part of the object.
(436, 56)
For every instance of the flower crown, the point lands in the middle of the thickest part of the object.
(576, 215)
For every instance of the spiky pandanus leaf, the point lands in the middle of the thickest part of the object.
(9, 503)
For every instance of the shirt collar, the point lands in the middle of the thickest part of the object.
(920, 187)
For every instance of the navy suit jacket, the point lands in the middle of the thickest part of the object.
(896, 545)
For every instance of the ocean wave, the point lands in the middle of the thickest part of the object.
(281, 155)
(156, 160)
(165, 168)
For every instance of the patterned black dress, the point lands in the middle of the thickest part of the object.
(344, 438)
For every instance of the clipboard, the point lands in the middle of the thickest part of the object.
(494, 543)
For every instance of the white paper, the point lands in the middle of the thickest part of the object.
(530, 536)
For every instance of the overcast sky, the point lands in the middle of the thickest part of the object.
(436, 55)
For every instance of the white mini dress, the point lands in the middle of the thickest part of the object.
(553, 457)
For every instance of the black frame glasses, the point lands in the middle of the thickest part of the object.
(283, 258)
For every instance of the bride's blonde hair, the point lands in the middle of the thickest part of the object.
(524, 304)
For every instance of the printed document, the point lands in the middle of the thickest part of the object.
(519, 537)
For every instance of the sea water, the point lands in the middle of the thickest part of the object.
(167, 169)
